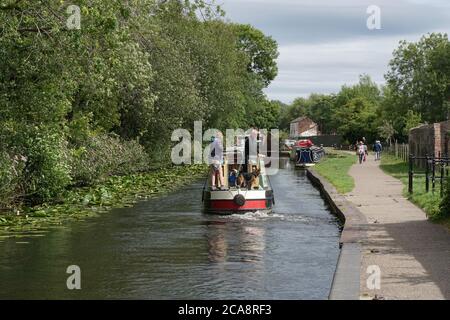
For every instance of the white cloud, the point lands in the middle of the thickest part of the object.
(325, 44)
(324, 68)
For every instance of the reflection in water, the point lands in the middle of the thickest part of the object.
(217, 244)
(253, 243)
(167, 249)
(249, 242)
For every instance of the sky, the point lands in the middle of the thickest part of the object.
(325, 44)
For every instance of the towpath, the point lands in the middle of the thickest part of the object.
(412, 253)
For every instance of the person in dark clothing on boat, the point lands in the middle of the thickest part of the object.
(232, 179)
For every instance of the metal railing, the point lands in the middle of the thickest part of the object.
(436, 171)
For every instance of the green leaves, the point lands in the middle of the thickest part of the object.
(84, 105)
(47, 171)
(445, 202)
(261, 52)
(117, 191)
(419, 78)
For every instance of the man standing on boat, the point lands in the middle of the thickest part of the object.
(216, 160)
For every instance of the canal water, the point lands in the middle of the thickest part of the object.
(166, 248)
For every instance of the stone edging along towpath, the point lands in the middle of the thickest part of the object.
(346, 281)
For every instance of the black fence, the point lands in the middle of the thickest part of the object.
(436, 172)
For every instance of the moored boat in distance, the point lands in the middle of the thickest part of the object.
(256, 195)
(305, 154)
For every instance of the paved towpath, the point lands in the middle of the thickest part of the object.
(412, 253)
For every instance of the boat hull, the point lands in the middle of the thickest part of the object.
(237, 201)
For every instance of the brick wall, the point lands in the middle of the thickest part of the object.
(430, 139)
(437, 140)
(445, 138)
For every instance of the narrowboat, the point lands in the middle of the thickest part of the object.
(233, 199)
(305, 154)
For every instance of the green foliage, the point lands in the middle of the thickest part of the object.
(387, 131)
(322, 110)
(47, 171)
(106, 155)
(116, 191)
(267, 116)
(428, 201)
(444, 208)
(419, 78)
(351, 113)
(83, 105)
(11, 169)
(356, 108)
(412, 120)
(261, 50)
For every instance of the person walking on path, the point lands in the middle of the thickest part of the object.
(361, 151)
(377, 148)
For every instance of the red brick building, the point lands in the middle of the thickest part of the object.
(303, 127)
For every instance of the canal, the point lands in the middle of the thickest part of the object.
(165, 248)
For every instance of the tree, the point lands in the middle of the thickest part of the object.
(419, 78)
(79, 105)
(412, 120)
(322, 110)
(299, 108)
(387, 131)
(261, 51)
(267, 116)
(356, 119)
(356, 110)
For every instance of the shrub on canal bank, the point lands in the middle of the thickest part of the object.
(42, 166)
(445, 203)
(103, 156)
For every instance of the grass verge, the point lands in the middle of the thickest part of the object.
(334, 167)
(117, 191)
(428, 201)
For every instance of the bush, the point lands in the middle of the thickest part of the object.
(445, 204)
(104, 156)
(10, 174)
(47, 172)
